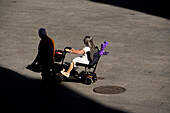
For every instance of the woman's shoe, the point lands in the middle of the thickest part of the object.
(65, 73)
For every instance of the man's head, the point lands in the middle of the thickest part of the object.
(42, 33)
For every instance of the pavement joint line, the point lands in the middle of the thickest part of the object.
(165, 68)
(108, 69)
(124, 84)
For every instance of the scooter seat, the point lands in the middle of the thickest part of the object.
(84, 65)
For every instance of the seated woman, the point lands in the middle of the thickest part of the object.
(88, 41)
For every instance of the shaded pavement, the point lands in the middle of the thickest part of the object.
(20, 94)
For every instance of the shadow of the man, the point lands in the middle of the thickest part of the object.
(21, 94)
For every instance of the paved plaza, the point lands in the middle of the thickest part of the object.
(139, 58)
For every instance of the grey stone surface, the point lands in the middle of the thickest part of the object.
(139, 58)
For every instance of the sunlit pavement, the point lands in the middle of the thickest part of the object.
(139, 47)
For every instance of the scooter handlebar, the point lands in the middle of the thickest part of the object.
(67, 48)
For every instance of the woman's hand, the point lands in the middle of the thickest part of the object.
(68, 50)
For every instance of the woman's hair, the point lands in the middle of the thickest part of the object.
(88, 41)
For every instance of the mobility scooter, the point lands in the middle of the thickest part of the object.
(88, 75)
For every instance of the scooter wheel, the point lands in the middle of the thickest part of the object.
(59, 78)
(88, 80)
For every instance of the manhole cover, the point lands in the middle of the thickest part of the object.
(109, 89)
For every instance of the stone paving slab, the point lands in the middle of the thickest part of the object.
(139, 47)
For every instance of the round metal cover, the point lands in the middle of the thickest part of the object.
(109, 89)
